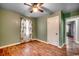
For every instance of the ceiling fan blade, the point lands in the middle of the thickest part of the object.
(47, 10)
(27, 4)
(40, 4)
(40, 10)
(31, 11)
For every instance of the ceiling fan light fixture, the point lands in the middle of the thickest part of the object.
(35, 9)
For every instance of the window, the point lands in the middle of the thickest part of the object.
(26, 29)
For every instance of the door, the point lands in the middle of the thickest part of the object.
(53, 30)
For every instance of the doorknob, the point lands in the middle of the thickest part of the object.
(56, 33)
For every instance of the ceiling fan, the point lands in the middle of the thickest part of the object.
(35, 7)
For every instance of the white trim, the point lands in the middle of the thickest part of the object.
(75, 18)
(10, 45)
(48, 43)
(62, 45)
(14, 44)
(77, 30)
(28, 41)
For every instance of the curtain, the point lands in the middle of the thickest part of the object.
(26, 29)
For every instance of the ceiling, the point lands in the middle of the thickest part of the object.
(23, 9)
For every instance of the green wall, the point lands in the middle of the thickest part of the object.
(70, 14)
(10, 27)
(34, 28)
(62, 30)
(67, 15)
(42, 28)
(63, 18)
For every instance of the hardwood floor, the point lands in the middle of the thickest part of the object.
(33, 48)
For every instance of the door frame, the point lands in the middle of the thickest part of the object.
(74, 18)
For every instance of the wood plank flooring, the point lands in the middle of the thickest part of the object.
(33, 48)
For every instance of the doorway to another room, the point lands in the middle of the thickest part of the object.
(72, 37)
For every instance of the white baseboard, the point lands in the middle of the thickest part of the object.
(62, 46)
(28, 41)
(10, 45)
(48, 42)
(13, 44)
